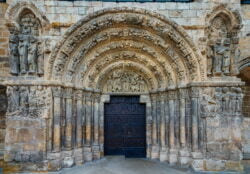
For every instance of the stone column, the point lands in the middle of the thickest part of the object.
(184, 154)
(96, 147)
(68, 119)
(194, 113)
(155, 145)
(87, 147)
(172, 151)
(79, 115)
(57, 94)
(163, 152)
(78, 152)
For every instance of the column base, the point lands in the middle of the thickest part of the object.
(68, 159)
(87, 153)
(78, 154)
(96, 152)
(184, 157)
(164, 154)
(155, 152)
(173, 156)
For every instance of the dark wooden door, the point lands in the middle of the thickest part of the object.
(125, 127)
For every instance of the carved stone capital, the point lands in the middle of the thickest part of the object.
(57, 91)
(88, 96)
(68, 93)
(195, 92)
(78, 94)
(172, 95)
(183, 93)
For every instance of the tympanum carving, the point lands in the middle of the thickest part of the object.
(125, 81)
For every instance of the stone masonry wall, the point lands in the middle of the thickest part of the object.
(4, 39)
(3, 109)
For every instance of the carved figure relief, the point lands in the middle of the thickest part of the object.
(13, 98)
(26, 55)
(218, 51)
(222, 49)
(125, 81)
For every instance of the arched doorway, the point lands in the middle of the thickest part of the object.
(127, 52)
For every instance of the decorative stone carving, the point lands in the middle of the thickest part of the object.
(208, 103)
(14, 54)
(222, 49)
(125, 81)
(24, 100)
(13, 98)
(25, 48)
(185, 57)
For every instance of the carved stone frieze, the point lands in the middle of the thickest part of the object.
(28, 101)
(125, 81)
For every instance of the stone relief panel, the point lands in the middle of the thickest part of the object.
(125, 81)
(26, 50)
(222, 42)
(221, 100)
(28, 101)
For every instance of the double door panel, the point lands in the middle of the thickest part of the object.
(125, 127)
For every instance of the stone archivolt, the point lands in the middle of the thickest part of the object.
(111, 25)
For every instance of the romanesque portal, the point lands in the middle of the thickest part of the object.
(58, 106)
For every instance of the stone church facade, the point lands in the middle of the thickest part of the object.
(61, 61)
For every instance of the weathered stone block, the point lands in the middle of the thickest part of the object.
(214, 165)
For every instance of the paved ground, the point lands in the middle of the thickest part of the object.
(121, 165)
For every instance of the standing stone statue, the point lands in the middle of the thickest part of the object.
(32, 55)
(210, 58)
(23, 52)
(226, 57)
(218, 57)
(40, 59)
(14, 55)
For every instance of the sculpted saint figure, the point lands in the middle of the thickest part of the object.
(218, 56)
(32, 55)
(23, 52)
(14, 55)
(226, 57)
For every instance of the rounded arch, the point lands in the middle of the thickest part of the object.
(244, 63)
(15, 10)
(233, 18)
(97, 36)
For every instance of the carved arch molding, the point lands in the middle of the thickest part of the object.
(146, 42)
